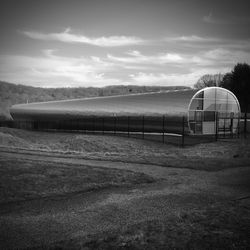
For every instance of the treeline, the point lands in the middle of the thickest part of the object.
(237, 81)
(11, 94)
(209, 80)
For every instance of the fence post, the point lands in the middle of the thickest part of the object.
(128, 125)
(245, 125)
(84, 125)
(103, 125)
(143, 127)
(163, 129)
(216, 127)
(224, 134)
(238, 126)
(232, 126)
(114, 124)
(93, 128)
(183, 131)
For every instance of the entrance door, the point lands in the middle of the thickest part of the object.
(198, 121)
(209, 123)
(225, 124)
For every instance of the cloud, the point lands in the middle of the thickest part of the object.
(192, 38)
(134, 53)
(160, 60)
(51, 70)
(192, 67)
(67, 37)
(177, 79)
(137, 58)
(211, 19)
(227, 57)
(142, 78)
(199, 43)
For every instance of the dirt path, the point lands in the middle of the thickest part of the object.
(42, 222)
(186, 164)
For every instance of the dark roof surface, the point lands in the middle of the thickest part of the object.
(168, 103)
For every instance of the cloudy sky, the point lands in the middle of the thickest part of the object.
(70, 43)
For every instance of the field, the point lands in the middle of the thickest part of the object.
(78, 191)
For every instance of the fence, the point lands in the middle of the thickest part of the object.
(229, 126)
(166, 129)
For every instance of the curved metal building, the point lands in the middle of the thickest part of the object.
(158, 103)
(201, 110)
(213, 109)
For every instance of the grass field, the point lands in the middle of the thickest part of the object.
(76, 191)
(29, 179)
(128, 149)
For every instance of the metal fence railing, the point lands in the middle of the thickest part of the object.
(158, 128)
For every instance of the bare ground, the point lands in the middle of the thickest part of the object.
(122, 193)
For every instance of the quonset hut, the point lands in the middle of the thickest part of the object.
(206, 111)
(213, 109)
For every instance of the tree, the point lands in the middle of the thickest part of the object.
(226, 81)
(238, 81)
(208, 81)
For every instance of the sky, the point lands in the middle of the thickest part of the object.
(73, 43)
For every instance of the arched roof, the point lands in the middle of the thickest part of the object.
(213, 88)
(159, 103)
(212, 110)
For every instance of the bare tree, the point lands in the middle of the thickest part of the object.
(209, 81)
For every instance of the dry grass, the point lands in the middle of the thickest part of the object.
(25, 179)
(220, 226)
(218, 155)
(186, 209)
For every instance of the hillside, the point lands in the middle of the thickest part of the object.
(11, 94)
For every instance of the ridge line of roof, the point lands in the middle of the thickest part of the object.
(103, 97)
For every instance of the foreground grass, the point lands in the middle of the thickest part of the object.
(25, 179)
(183, 209)
(223, 225)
